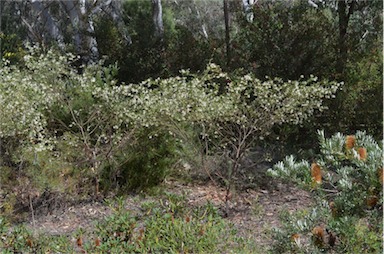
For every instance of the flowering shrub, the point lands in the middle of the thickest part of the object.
(48, 105)
(232, 112)
(347, 178)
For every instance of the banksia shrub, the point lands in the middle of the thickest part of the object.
(347, 182)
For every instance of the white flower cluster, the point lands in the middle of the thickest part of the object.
(47, 88)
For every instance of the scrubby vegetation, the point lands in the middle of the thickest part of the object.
(167, 225)
(347, 179)
(193, 106)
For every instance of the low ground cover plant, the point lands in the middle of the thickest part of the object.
(164, 226)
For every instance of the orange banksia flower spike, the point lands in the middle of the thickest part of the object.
(79, 241)
(381, 176)
(318, 235)
(362, 151)
(350, 142)
(97, 242)
(316, 173)
(296, 238)
(29, 243)
(318, 231)
(141, 234)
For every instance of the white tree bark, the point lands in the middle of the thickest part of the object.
(83, 30)
(247, 6)
(157, 16)
(74, 17)
(49, 26)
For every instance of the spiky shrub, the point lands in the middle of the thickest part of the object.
(347, 178)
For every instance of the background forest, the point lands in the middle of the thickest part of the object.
(101, 99)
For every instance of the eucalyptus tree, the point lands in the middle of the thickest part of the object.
(203, 18)
(64, 22)
(358, 24)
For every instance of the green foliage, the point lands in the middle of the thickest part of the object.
(11, 48)
(186, 51)
(167, 226)
(289, 39)
(349, 197)
(364, 88)
(149, 56)
(61, 121)
(146, 163)
(67, 122)
(18, 239)
(214, 97)
(286, 40)
(145, 56)
(164, 226)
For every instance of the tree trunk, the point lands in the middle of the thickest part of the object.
(48, 21)
(50, 29)
(83, 30)
(247, 6)
(157, 16)
(345, 10)
(227, 36)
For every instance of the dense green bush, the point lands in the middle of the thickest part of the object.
(62, 121)
(286, 40)
(347, 179)
(143, 164)
(353, 108)
(290, 39)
